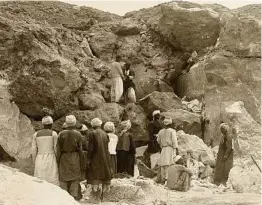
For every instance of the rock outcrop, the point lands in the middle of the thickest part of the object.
(16, 131)
(24, 189)
(245, 175)
(49, 73)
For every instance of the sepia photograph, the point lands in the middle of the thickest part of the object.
(130, 102)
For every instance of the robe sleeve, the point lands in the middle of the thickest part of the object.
(90, 147)
(58, 148)
(34, 147)
(158, 138)
(55, 141)
(228, 146)
(188, 171)
(150, 128)
(174, 139)
(132, 148)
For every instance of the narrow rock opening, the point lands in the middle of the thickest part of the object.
(5, 157)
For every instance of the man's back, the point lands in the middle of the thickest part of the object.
(69, 140)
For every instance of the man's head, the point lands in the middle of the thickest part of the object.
(47, 122)
(96, 123)
(156, 115)
(118, 58)
(167, 121)
(127, 66)
(71, 121)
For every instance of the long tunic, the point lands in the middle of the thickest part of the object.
(224, 160)
(153, 128)
(117, 82)
(168, 142)
(113, 139)
(69, 149)
(44, 155)
(99, 171)
(126, 154)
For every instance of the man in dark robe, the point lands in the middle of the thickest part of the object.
(129, 95)
(153, 147)
(69, 149)
(225, 154)
(99, 173)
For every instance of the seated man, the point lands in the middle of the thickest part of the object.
(179, 177)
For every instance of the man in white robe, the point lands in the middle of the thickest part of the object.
(44, 152)
(167, 140)
(117, 81)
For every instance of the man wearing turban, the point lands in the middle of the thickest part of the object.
(125, 150)
(44, 152)
(153, 128)
(225, 154)
(99, 173)
(169, 147)
(69, 150)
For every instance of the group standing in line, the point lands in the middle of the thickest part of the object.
(76, 154)
(97, 155)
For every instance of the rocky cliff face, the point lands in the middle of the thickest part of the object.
(48, 72)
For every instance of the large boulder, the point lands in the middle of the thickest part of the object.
(192, 84)
(245, 177)
(16, 130)
(90, 101)
(126, 27)
(178, 19)
(31, 190)
(147, 82)
(241, 33)
(139, 121)
(129, 48)
(200, 151)
(107, 112)
(187, 121)
(43, 78)
(162, 101)
(103, 42)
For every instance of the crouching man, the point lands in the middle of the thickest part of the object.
(179, 177)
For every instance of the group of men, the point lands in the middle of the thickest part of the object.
(77, 154)
(122, 82)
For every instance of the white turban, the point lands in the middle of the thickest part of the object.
(224, 127)
(70, 120)
(109, 127)
(47, 120)
(156, 112)
(84, 128)
(178, 157)
(96, 122)
(167, 121)
(126, 125)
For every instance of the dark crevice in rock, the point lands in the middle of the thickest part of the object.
(4, 156)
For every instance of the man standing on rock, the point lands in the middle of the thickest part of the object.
(44, 150)
(153, 147)
(69, 150)
(117, 81)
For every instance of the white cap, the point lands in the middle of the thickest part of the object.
(96, 122)
(70, 120)
(47, 120)
(156, 112)
(167, 121)
(84, 128)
